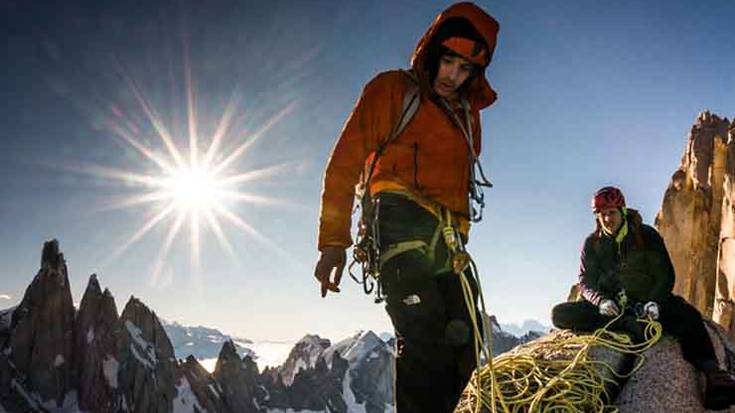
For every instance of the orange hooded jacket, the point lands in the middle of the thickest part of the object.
(429, 159)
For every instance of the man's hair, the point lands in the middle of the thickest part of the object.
(451, 27)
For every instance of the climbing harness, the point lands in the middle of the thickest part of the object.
(366, 252)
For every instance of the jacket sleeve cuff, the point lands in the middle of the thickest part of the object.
(591, 295)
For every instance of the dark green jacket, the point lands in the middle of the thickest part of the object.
(640, 264)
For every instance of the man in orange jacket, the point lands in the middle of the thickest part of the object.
(424, 180)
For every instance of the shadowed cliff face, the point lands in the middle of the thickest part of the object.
(724, 307)
(697, 219)
(42, 331)
(146, 361)
(95, 350)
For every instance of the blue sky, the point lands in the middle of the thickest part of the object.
(590, 94)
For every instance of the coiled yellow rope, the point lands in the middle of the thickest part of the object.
(559, 376)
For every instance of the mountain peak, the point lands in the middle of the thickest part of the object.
(50, 256)
(40, 345)
(303, 355)
(313, 340)
(93, 285)
(228, 351)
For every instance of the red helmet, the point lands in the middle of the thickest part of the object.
(606, 198)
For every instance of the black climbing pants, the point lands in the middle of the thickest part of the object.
(677, 318)
(434, 337)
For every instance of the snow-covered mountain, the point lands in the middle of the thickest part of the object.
(202, 342)
(525, 327)
(205, 343)
(368, 382)
(303, 355)
(353, 375)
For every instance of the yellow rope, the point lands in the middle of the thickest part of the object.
(480, 346)
(558, 376)
(461, 261)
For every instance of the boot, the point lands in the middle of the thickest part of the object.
(719, 392)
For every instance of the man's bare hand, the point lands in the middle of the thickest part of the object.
(331, 258)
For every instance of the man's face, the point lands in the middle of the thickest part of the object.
(611, 219)
(452, 73)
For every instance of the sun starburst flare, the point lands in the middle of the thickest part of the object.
(190, 188)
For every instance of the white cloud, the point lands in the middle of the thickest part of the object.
(5, 297)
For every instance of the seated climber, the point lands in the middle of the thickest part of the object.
(625, 267)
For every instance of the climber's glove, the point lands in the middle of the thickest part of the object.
(609, 308)
(651, 310)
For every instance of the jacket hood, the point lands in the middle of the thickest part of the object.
(479, 92)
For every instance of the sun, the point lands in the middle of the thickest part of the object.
(194, 190)
(196, 185)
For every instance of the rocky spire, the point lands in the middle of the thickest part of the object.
(237, 380)
(691, 216)
(94, 346)
(146, 360)
(42, 329)
(320, 388)
(724, 307)
(367, 380)
(207, 391)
